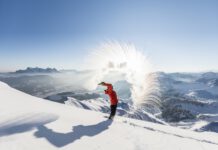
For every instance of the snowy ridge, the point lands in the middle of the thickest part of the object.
(123, 109)
(27, 122)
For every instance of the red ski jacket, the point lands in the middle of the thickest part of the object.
(111, 93)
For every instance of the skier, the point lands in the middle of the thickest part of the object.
(113, 98)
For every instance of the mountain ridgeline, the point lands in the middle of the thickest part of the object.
(37, 70)
(185, 97)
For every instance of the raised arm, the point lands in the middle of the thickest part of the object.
(109, 87)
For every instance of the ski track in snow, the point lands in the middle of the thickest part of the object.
(168, 133)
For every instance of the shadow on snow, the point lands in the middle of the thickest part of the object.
(62, 139)
(25, 123)
(38, 121)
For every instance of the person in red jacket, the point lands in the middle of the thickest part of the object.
(113, 98)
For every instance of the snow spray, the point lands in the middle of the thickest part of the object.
(126, 59)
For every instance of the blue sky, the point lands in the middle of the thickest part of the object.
(177, 35)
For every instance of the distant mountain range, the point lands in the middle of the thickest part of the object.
(37, 70)
(186, 98)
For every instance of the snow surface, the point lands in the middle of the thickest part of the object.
(27, 122)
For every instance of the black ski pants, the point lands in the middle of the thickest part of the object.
(113, 110)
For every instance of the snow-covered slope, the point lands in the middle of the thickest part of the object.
(190, 100)
(27, 122)
(124, 108)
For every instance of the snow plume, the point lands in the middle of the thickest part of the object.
(132, 63)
